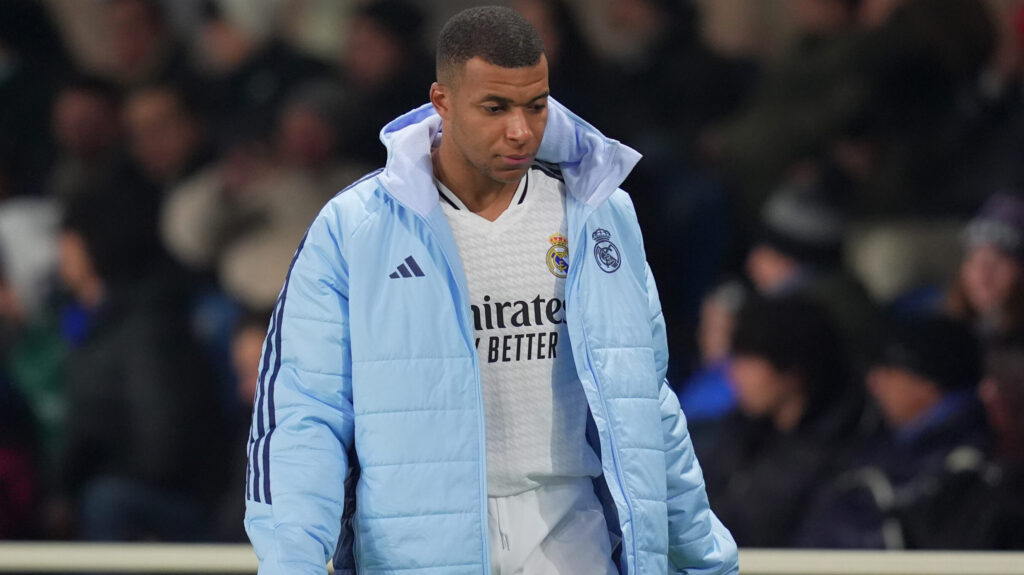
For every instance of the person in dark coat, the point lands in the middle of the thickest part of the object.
(982, 490)
(924, 385)
(795, 407)
(142, 424)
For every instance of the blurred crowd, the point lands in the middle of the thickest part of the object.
(832, 195)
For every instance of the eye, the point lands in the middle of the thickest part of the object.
(539, 107)
(492, 108)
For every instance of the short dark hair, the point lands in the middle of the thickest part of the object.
(498, 35)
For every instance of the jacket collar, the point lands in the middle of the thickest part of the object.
(593, 165)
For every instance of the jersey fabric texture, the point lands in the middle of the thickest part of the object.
(370, 363)
(535, 411)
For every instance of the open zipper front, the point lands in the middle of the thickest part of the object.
(570, 292)
(447, 245)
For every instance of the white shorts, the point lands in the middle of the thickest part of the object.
(556, 529)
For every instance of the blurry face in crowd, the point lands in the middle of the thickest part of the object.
(874, 13)
(373, 56)
(84, 124)
(305, 139)
(902, 395)
(820, 16)
(163, 137)
(769, 269)
(762, 390)
(539, 14)
(136, 38)
(246, 348)
(990, 278)
(494, 120)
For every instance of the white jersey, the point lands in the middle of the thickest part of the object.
(534, 404)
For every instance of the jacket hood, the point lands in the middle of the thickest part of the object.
(593, 165)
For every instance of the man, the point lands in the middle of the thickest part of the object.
(924, 384)
(481, 339)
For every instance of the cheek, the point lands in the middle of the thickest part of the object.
(1006, 278)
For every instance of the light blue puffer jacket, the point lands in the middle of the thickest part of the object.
(357, 359)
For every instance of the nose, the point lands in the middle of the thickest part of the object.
(518, 129)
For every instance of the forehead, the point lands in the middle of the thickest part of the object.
(479, 79)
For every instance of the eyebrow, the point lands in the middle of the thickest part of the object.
(509, 101)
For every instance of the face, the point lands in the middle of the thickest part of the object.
(372, 55)
(163, 136)
(769, 269)
(761, 389)
(134, 36)
(494, 120)
(902, 395)
(84, 124)
(819, 16)
(305, 139)
(990, 278)
(539, 13)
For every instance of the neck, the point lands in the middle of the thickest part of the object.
(483, 195)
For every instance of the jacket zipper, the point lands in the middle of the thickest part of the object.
(466, 329)
(604, 406)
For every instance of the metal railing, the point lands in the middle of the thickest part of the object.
(175, 558)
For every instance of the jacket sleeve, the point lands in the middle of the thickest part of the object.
(303, 420)
(698, 542)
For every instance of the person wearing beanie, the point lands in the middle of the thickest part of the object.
(984, 489)
(795, 407)
(924, 383)
(798, 251)
(988, 291)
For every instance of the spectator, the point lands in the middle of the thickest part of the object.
(707, 394)
(989, 289)
(249, 71)
(925, 387)
(795, 408)
(386, 71)
(144, 49)
(165, 135)
(19, 477)
(984, 491)
(572, 63)
(246, 348)
(799, 251)
(86, 126)
(32, 64)
(243, 218)
(142, 432)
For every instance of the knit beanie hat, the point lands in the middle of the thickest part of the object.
(802, 223)
(999, 223)
(937, 348)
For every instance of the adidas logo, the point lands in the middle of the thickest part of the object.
(407, 270)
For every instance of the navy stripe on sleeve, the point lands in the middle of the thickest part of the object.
(259, 454)
(272, 416)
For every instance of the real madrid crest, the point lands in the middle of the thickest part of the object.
(558, 255)
(605, 252)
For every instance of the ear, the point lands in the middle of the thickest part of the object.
(441, 98)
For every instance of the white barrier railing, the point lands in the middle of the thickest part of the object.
(173, 558)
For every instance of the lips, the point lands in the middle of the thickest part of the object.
(518, 160)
